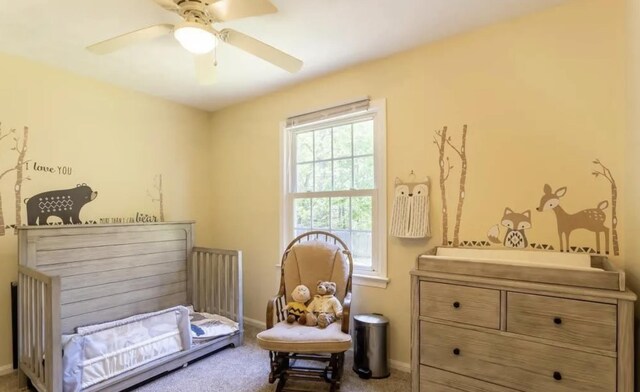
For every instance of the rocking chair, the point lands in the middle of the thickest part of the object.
(310, 257)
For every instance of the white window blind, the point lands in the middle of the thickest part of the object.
(328, 113)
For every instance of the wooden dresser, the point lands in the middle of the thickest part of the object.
(483, 325)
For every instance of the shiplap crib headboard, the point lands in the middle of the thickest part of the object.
(111, 271)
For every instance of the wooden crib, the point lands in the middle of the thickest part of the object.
(71, 276)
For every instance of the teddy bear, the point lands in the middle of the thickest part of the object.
(297, 309)
(325, 307)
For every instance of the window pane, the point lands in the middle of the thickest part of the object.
(361, 247)
(363, 173)
(340, 213)
(344, 236)
(320, 213)
(323, 176)
(342, 174)
(363, 138)
(342, 141)
(304, 147)
(304, 177)
(302, 213)
(322, 144)
(361, 216)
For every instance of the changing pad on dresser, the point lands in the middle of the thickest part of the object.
(586, 270)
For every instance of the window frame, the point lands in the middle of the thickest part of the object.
(377, 275)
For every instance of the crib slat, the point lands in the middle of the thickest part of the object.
(202, 283)
(210, 267)
(232, 293)
(38, 340)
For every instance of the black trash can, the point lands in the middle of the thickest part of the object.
(370, 355)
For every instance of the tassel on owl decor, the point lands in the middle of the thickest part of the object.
(410, 214)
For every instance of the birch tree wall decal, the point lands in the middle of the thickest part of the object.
(444, 175)
(606, 173)
(462, 153)
(21, 149)
(157, 184)
(4, 173)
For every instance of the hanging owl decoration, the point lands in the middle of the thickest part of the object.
(410, 214)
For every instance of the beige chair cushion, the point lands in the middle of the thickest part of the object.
(311, 261)
(295, 338)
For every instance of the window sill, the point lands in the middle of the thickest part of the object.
(371, 281)
(364, 280)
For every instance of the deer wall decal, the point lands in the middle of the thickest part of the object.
(591, 219)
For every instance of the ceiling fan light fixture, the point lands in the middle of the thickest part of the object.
(195, 38)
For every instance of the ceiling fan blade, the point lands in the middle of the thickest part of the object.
(262, 50)
(167, 4)
(134, 37)
(225, 10)
(206, 68)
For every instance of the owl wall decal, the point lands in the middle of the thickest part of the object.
(410, 214)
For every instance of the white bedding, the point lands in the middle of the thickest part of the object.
(207, 326)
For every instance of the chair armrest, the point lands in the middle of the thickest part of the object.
(346, 309)
(275, 304)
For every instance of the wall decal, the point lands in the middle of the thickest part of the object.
(21, 150)
(472, 244)
(159, 197)
(139, 218)
(56, 169)
(542, 246)
(591, 219)
(516, 224)
(462, 153)
(606, 173)
(65, 204)
(410, 213)
(444, 175)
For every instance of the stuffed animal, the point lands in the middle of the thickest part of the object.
(325, 307)
(297, 309)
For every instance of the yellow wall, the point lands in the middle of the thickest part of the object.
(632, 157)
(542, 96)
(114, 140)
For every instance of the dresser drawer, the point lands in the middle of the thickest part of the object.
(582, 323)
(469, 305)
(436, 380)
(514, 363)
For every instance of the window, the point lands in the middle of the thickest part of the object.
(334, 180)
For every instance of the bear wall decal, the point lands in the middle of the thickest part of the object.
(65, 204)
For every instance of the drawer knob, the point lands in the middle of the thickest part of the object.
(557, 376)
(456, 351)
(557, 320)
(456, 304)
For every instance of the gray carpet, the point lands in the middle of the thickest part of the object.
(246, 369)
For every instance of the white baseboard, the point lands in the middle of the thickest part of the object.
(394, 364)
(6, 369)
(255, 323)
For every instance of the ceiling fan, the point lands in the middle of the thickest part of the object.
(196, 34)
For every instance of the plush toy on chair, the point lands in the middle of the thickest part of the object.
(297, 309)
(325, 307)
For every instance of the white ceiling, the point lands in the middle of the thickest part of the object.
(326, 34)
